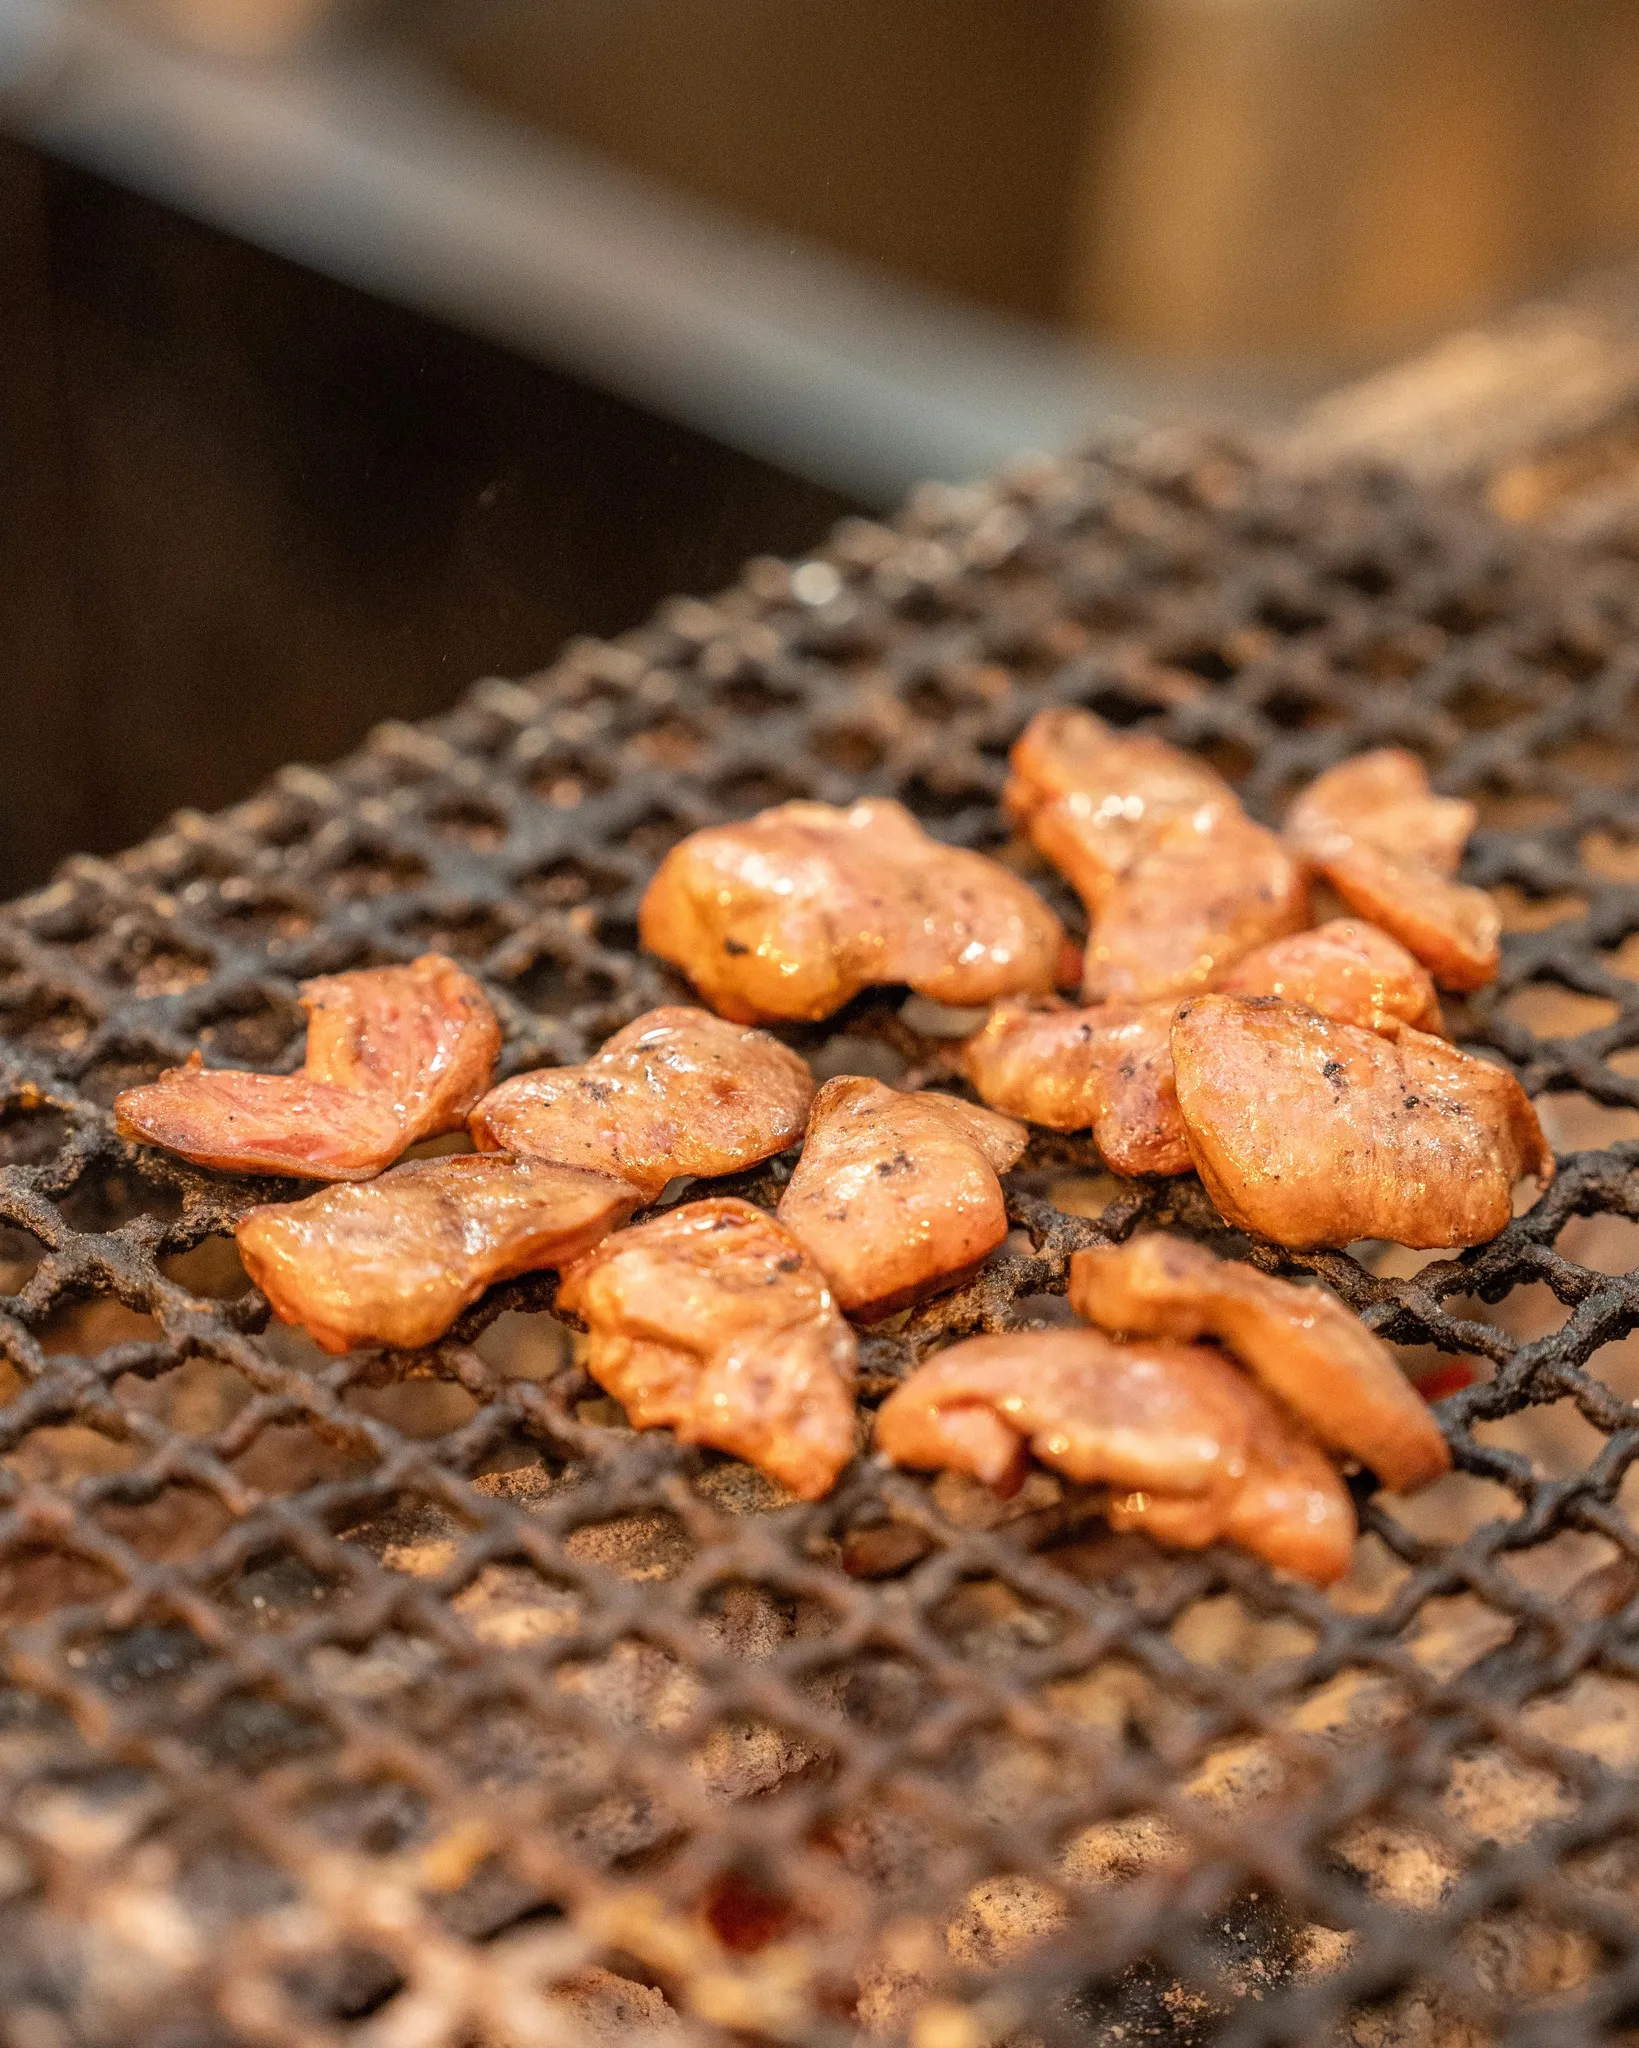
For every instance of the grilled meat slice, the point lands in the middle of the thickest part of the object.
(678, 1091)
(1301, 1342)
(394, 1262)
(1092, 799)
(1347, 970)
(1178, 882)
(712, 1321)
(1315, 1133)
(795, 911)
(1389, 846)
(1190, 1448)
(394, 1055)
(896, 1196)
(1107, 1069)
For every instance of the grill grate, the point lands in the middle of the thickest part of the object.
(413, 1702)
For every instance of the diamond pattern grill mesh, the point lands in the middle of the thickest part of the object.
(413, 1701)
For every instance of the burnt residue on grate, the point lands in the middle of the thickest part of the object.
(414, 1700)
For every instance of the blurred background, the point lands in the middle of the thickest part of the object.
(352, 350)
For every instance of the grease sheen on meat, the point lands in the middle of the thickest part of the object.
(1192, 1450)
(1178, 882)
(896, 1196)
(1347, 970)
(1317, 1133)
(1389, 846)
(394, 1055)
(1301, 1342)
(712, 1321)
(795, 911)
(396, 1260)
(678, 1091)
(1107, 1069)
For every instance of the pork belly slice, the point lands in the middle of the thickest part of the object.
(394, 1262)
(1191, 1449)
(1389, 847)
(1178, 882)
(1310, 1351)
(1107, 1069)
(678, 1091)
(394, 1055)
(793, 912)
(713, 1321)
(1316, 1133)
(896, 1196)
(1347, 970)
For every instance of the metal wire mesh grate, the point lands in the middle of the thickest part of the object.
(413, 1700)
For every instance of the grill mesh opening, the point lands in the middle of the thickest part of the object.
(416, 1700)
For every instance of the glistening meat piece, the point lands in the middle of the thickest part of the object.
(1316, 1133)
(1092, 799)
(1189, 1447)
(394, 1055)
(1107, 1069)
(678, 1091)
(1389, 846)
(713, 1321)
(794, 912)
(896, 1196)
(1346, 970)
(1301, 1342)
(1178, 882)
(395, 1261)
(1291, 1509)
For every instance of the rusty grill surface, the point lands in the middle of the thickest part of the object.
(413, 1701)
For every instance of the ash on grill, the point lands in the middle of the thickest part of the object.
(414, 1700)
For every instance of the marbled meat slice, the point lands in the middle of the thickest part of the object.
(1347, 970)
(395, 1261)
(1315, 1133)
(712, 1321)
(896, 1196)
(793, 912)
(1389, 846)
(1309, 1350)
(678, 1091)
(1177, 880)
(394, 1055)
(1189, 1447)
(1107, 1069)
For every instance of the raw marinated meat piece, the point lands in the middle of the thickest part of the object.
(1191, 1449)
(394, 1262)
(1316, 1133)
(1310, 1351)
(1178, 882)
(1346, 970)
(1388, 845)
(394, 1055)
(1107, 1069)
(713, 1321)
(678, 1091)
(795, 911)
(896, 1196)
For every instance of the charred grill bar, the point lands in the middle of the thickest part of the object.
(413, 1700)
